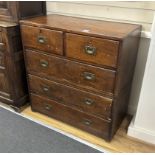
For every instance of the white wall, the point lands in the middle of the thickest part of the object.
(132, 12)
(139, 73)
(143, 124)
(128, 12)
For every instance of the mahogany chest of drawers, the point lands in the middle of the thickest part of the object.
(79, 70)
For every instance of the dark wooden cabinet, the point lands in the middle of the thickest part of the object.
(13, 11)
(80, 71)
(13, 85)
(12, 71)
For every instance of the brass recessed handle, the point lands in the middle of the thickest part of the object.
(87, 122)
(45, 89)
(90, 50)
(44, 63)
(89, 76)
(105, 109)
(88, 101)
(41, 39)
(2, 47)
(48, 107)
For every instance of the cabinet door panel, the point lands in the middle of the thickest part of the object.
(3, 4)
(4, 85)
(2, 50)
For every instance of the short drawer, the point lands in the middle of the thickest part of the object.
(70, 72)
(50, 41)
(68, 115)
(75, 98)
(91, 49)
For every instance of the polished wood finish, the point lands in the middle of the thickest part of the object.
(81, 100)
(4, 84)
(89, 27)
(13, 90)
(71, 116)
(13, 85)
(105, 51)
(14, 11)
(97, 61)
(43, 39)
(72, 73)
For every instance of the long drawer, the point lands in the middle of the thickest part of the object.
(70, 72)
(75, 98)
(68, 115)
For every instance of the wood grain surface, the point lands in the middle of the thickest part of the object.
(66, 114)
(43, 39)
(105, 51)
(70, 72)
(103, 29)
(81, 100)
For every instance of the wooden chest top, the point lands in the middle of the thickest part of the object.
(97, 28)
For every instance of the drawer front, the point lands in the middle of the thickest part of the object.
(68, 115)
(77, 99)
(70, 72)
(91, 49)
(2, 54)
(4, 85)
(2, 48)
(50, 41)
(1, 36)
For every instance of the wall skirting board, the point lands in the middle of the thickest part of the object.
(141, 133)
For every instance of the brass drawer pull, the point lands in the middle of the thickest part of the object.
(2, 47)
(45, 88)
(41, 39)
(87, 122)
(48, 107)
(105, 109)
(88, 101)
(44, 63)
(89, 76)
(90, 50)
(109, 119)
